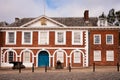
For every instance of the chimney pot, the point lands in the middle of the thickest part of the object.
(86, 15)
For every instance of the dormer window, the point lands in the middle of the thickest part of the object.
(102, 20)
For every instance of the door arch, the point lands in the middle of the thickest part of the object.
(43, 59)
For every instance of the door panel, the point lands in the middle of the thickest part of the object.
(43, 59)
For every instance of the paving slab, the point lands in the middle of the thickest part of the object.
(101, 73)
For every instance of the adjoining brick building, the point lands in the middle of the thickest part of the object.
(46, 40)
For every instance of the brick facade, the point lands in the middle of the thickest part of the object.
(103, 47)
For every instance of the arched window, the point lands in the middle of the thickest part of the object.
(60, 56)
(26, 55)
(77, 57)
(10, 56)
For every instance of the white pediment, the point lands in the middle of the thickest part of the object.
(43, 21)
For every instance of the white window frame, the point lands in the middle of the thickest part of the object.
(81, 38)
(24, 60)
(112, 39)
(40, 39)
(7, 38)
(31, 40)
(99, 38)
(77, 57)
(64, 38)
(108, 55)
(99, 56)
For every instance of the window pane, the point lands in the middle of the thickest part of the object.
(27, 37)
(11, 37)
(60, 37)
(109, 39)
(97, 55)
(77, 37)
(26, 56)
(43, 38)
(60, 56)
(110, 55)
(10, 56)
(77, 57)
(97, 39)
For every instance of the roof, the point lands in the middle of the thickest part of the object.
(68, 21)
(3, 24)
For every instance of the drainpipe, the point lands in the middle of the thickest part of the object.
(89, 47)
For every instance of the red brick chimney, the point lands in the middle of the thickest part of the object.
(86, 15)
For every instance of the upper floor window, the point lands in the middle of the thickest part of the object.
(60, 38)
(77, 38)
(27, 38)
(109, 39)
(43, 38)
(97, 39)
(11, 38)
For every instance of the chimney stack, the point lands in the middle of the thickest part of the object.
(86, 15)
(17, 19)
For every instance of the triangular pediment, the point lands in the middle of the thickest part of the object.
(43, 21)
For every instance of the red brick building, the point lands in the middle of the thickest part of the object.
(46, 40)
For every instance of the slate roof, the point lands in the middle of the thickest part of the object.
(68, 21)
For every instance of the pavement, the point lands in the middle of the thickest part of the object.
(101, 73)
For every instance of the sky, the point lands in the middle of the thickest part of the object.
(11, 9)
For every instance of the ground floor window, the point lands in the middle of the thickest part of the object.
(11, 56)
(26, 55)
(60, 56)
(110, 55)
(77, 57)
(97, 55)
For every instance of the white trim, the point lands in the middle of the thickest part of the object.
(87, 48)
(6, 39)
(112, 39)
(44, 47)
(99, 38)
(31, 40)
(45, 35)
(6, 52)
(81, 37)
(64, 38)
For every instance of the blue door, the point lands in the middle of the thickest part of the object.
(43, 59)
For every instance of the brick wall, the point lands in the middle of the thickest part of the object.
(103, 46)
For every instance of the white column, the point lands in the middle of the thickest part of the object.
(86, 48)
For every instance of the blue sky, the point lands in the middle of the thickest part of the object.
(9, 9)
